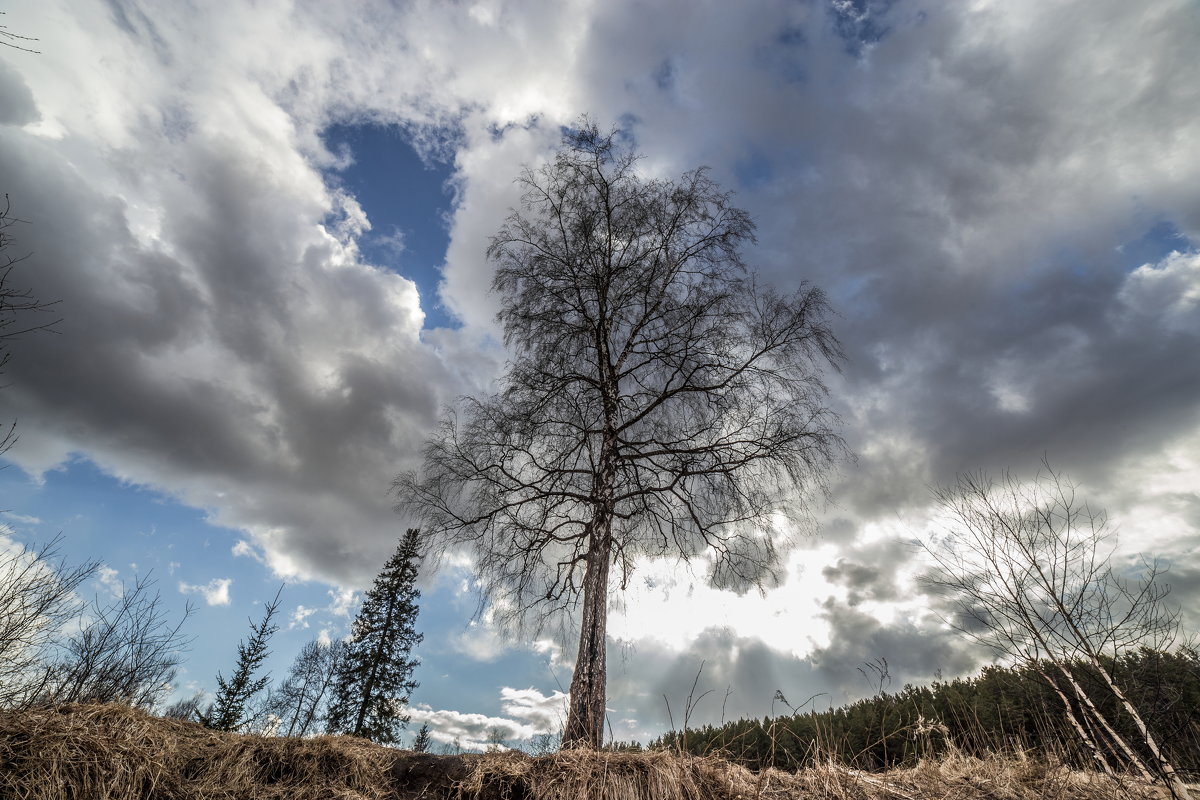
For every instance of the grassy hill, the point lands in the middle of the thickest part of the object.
(112, 752)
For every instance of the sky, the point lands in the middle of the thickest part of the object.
(265, 226)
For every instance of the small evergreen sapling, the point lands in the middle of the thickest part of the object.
(374, 678)
(228, 711)
(422, 740)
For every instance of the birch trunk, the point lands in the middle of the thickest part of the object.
(1176, 785)
(585, 718)
(1080, 731)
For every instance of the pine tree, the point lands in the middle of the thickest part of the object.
(375, 676)
(228, 711)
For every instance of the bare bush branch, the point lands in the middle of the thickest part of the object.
(1028, 568)
(125, 651)
(37, 600)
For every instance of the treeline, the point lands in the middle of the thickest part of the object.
(1001, 709)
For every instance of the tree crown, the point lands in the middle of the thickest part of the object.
(654, 389)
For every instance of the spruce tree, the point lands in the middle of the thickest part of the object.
(422, 740)
(375, 675)
(228, 711)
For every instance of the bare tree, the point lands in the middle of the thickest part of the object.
(300, 700)
(37, 600)
(1029, 569)
(187, 709)
(658, 403)
(125, 651)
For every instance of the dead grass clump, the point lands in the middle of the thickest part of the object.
(112, 752)
(579, 775)
(588, 775)
(584, 775)
(1018, 777)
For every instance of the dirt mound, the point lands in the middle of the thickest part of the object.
(111, 752)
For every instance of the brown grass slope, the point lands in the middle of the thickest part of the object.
(110, 752)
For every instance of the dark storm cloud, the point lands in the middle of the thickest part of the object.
(913, 652)
(738, 676)
(863, 582)
(17, 106)
(972, 253)
(960, 182)
(1184, 582)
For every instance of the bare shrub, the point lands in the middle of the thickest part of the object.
(37, 600)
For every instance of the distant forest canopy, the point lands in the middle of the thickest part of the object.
(1001, 709)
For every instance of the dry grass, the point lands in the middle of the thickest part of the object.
(112, 752)
(666, 776)
(90, 752)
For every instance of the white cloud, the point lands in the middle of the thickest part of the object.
(469, 729)
(109, 578)
(480, 641)
(244, 549)
(1163, 296)
(672, 604)
(341, 601)
(24, 519)
(215, 592)
(544, 713)
(299, 617)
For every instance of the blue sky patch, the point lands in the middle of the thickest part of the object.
(406, 198)
(1158, 242)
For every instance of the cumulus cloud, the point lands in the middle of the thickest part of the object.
(526, 713)
(341, 601)
(469, 731)
(299, 617)
(543, 713)
(1163, 296)
(110, 579)
(215, 592)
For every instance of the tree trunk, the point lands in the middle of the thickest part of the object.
(585, 719)
(1131, 757)
(1174, 783)
(376, 657)
(1087, 739)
